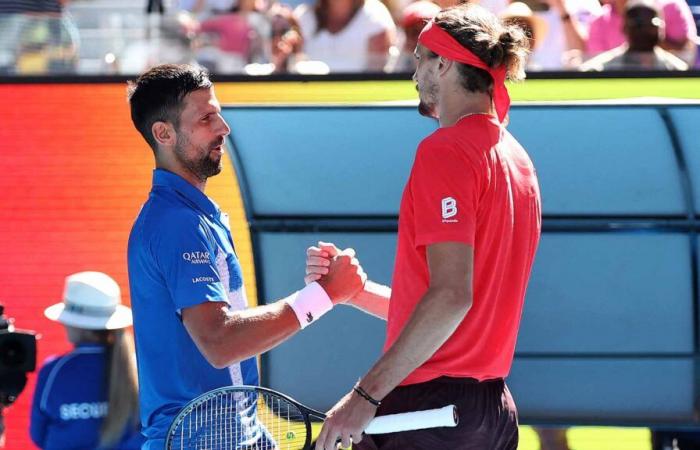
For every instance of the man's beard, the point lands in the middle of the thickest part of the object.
(203, 166)
(424, 108)
(427, 110)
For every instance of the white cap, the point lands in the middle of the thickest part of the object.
(91, 300)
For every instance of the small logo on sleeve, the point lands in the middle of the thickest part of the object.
(309, 317)
(449, 209)
(203, 280)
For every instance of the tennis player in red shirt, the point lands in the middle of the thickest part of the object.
(469, 226)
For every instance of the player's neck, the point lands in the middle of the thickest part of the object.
(192, 179)
(178, 169)
(457, 105)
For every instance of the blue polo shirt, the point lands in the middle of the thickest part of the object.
(180, 255)
(71, 401)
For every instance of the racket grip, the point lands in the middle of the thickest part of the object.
(417, 420)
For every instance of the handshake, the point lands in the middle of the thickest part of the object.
(337, 271)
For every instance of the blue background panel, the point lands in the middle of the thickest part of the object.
(609, 293)
(590, 160)
(326, 161)
(636, 391)
(603, 161)
(687, 122)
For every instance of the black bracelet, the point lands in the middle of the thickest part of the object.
(361, 392)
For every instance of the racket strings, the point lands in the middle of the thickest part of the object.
(241, 421)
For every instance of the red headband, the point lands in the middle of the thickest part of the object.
(441, 42)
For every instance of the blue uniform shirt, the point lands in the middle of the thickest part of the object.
(180, 255)
(70, 402)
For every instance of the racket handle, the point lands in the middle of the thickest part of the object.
(417, 420)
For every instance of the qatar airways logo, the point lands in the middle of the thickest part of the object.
(197, 257)
(449, 210)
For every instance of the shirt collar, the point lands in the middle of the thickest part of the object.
(173, 181)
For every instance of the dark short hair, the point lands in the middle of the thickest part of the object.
(158, 95)
(494, 42)
(321, 13)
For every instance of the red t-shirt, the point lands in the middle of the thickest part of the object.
(470, 183)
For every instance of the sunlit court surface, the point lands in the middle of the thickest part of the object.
(323, 110)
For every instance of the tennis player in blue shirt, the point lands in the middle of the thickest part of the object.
(194, 331)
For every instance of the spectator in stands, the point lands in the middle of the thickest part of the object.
(449, 3)
(535, 28)
(347, 35)
(256, 12)
(233, 37)
(88, 398)
(395, 7)
(37, 36)
(566, 21)
(284, 48)
(643, 28)
(286, 44)
(413, 20)
(203, 8)
(176, 33)
(680, 30)
(241, 35)
(32, 6)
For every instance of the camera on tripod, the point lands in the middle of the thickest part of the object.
(17, 358)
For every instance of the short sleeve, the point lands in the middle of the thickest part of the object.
(445, 188)
(595, 43)
(680, 25)
(377, 18)
(306, 19)
(187, 254)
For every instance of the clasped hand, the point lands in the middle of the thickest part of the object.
(337, 271)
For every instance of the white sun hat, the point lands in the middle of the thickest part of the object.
(91, 300)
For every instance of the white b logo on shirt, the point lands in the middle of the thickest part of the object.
(449, 207)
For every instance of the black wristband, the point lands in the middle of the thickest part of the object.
(361, 392)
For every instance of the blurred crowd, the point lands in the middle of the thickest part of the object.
(260, 37)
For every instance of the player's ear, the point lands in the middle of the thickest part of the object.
(444, 65)
(164, 133)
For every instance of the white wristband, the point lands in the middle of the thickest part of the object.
(309, 304)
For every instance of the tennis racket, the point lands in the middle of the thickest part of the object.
(256, 418)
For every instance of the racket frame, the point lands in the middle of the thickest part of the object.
(307, 412)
